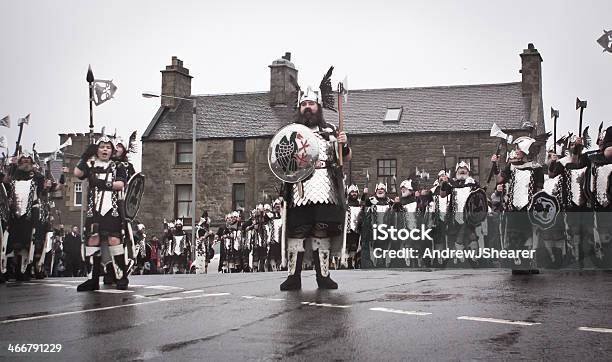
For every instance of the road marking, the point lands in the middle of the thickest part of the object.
(167, 299)
(263, 298)
(502, 321)
(591, 329)
(114, 291)
(192, 291)
(163, 287)
(105, 308)
(398, 311)
(206, 295)
(326, 305)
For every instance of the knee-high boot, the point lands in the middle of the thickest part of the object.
(121, 271)
(93, 283)
(294, 280)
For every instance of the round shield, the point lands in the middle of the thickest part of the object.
(133, 195)
(4, 204)
(293, 153)
(476, 208)
(543, 210)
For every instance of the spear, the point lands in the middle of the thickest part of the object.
(90, 80)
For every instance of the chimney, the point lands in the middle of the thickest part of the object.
(176, 82)
(281, 88)
(531, 71)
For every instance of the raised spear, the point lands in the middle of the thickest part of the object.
(90, 81)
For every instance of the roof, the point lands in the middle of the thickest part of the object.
(428, 109)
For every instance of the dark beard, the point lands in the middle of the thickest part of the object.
(310, 119)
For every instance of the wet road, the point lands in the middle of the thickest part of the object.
(375, 315)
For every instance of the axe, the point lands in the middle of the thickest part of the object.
(554, 113)
(505, 138)
(582, 105)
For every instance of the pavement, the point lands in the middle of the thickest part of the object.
(381, 315)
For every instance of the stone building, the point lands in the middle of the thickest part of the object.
(392, 132)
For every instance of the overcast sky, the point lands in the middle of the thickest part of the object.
(46, 46)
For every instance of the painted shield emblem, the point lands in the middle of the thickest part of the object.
(476, 208)
(543, 210)
(293, 153)
(133, 195)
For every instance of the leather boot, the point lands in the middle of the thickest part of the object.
(294, 280)
(321, 262)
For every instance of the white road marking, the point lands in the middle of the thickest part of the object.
(105, 308)
(114, 291)
(502, 321)
(398, 311)
(163, 287)
(192, 291)
(326, 305)
(205, 295)
(591, 329)
(263, 298)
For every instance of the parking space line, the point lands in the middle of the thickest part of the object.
(262, 298)
(159, 300)
(501, 321)
(114, 291)
(398, 311)
(325, 305)
(591, 329)
(192, 291)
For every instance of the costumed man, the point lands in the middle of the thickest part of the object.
(258, 237)
(374, 214)
(103, 223)
(315, 206)
(441, 193)
(523, 177)
(408, 201)
(120, 155)
(204, 251)
(573, 168)
(276, 225)
(461, 234)
(599, 192)
(140, 237)
(181, 247)
(25, 186)
(353, 223)
(397, 216)
(553, 239)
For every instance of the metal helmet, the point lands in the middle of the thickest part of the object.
(523, 143)
(381, 186)
(309, 95)
(406, 184)
(353, 188)
(463, 164)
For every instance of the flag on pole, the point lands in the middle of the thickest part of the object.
(103, 91)
(6, 121)
(25, 120)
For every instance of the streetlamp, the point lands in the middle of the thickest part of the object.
(193, 157)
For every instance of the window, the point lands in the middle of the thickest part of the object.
(238, 196)
(239, 151)
(393, 114)
(182, 203)
(184, 152)
(474, 165)
(78, 194)
(386, 170)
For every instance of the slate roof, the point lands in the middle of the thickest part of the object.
(429, 109)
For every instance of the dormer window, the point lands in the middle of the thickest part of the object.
(393, 114)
